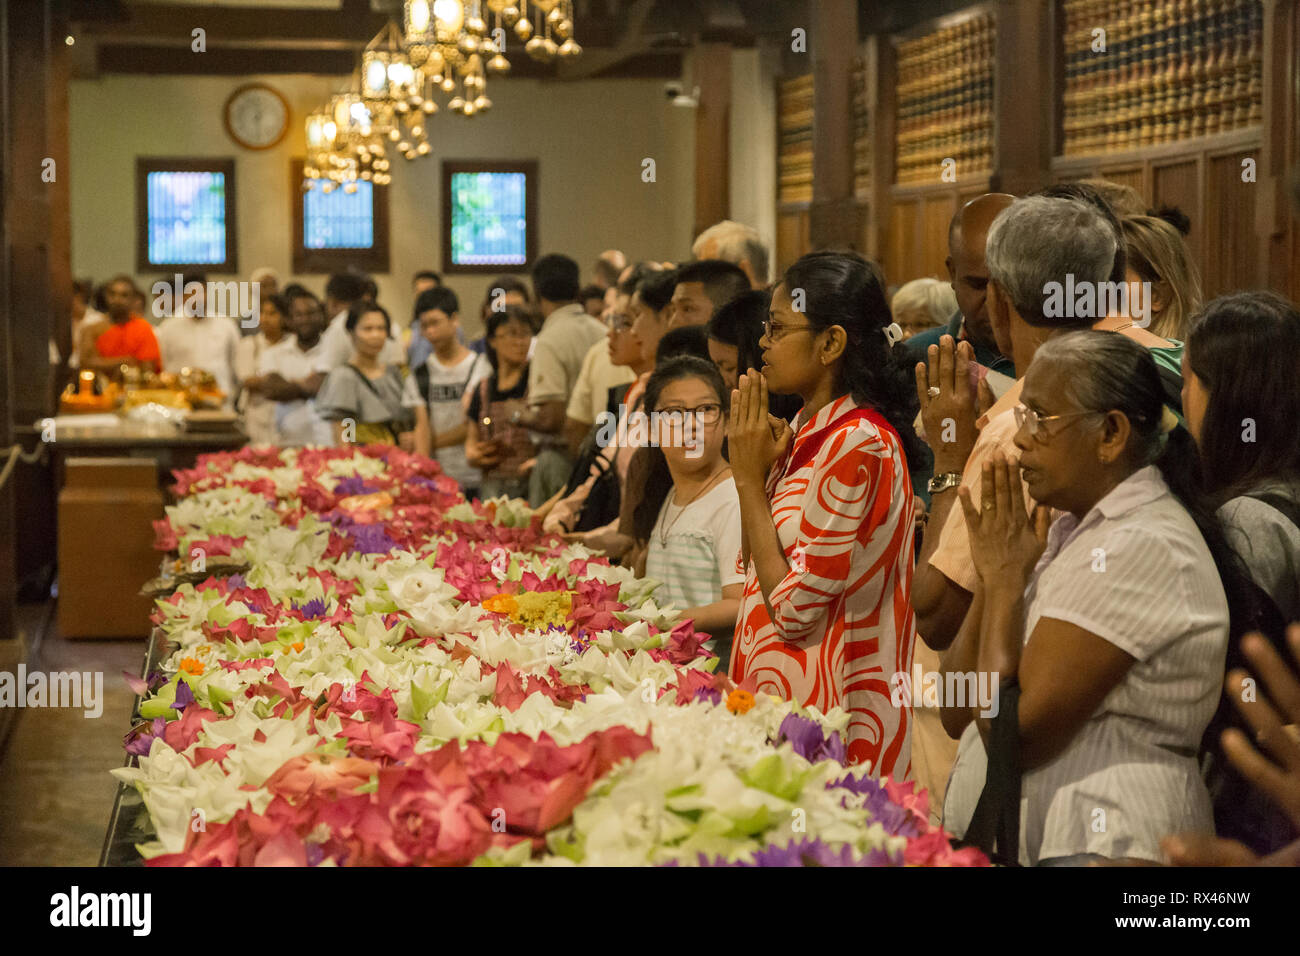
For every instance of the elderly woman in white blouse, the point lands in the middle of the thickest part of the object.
(1111, 624)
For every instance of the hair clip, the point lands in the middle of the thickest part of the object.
(893, 333)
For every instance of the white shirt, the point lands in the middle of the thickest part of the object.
(336, 345)
(259, 411)
(699, 559)
(447, 386)
(296, 422)
(1135, 572)
(208, 343)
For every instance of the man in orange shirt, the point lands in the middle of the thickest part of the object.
(121, 338)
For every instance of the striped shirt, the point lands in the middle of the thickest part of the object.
(699, 559)
(1135, 572)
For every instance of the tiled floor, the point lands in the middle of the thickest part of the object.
(55, 789)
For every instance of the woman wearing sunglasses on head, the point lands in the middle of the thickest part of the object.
(827, 508)
(1105, 633)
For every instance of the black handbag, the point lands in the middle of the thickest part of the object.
(995, 824)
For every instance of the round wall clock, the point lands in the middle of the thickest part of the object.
(256, 116)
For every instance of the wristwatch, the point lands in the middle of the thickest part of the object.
(517, 414)
(943, 482)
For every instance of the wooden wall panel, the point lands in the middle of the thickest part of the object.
(1128, 177)
(792, 237)
(1231, 255)
(902, 240)
(1179, 184)
(938, 212)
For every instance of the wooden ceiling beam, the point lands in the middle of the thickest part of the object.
(176, 22)
(229, 61)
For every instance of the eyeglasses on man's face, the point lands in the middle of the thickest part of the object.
(709, 413)
(1036, 424)
(620, 322)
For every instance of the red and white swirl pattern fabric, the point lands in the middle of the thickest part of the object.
(844, 512)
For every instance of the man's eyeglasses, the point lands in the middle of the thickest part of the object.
(1026, 417)
(707, 414)
(620, 322)
(776, 331)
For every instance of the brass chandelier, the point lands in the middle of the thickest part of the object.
(442, 47)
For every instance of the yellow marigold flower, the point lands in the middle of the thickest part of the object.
(192, 665)
(501, 604)
(542, 609)
(740, 701)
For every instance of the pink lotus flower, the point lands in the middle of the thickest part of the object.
(320, 775)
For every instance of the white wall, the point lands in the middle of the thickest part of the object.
(589, 137)
(753, 141)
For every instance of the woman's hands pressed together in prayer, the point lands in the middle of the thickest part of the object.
(756, 437)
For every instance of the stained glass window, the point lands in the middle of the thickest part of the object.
(186, 217)
(489, 218)
(339, 219)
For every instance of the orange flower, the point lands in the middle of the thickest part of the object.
(739, 701)
(501, 604)
(192, 665)
(297, 645)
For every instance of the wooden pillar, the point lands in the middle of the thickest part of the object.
(59, 192)
(832, 39)
(34, 288)
(27, 207)
(881, 82)
(712, 135)
(8, 567)
(1024, 112)
(1277, 203)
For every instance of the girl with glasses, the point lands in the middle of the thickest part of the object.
(689, 512)
(827, 508)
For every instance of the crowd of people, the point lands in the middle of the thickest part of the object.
(881, 499)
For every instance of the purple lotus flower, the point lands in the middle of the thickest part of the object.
(806, 736)
(896, 819)
(353, 485)
(184, 696)
(140, 738)
(714, 697)
(370, 539)
(312, 609)
(810, 852)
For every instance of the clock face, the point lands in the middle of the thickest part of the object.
(256, 116)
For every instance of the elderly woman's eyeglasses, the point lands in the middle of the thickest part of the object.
(1026, 417)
